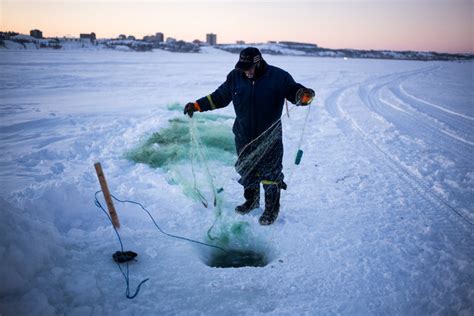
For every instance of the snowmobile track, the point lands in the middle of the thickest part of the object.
(348, 125)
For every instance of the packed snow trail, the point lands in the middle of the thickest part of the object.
(364, 226)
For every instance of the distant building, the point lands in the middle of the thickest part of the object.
(36, 33)
(240, 42)
(149, 38)
(289, 43)
(159, 37)
(211, 39)
(90, 37)
(170, 40)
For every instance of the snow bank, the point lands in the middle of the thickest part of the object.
(212, 50)
(31, 249)
(12, 45)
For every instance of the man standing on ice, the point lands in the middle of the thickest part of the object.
(258, 92)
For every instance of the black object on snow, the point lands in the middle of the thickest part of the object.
(124, 256)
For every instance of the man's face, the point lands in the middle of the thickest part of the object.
(251, 72)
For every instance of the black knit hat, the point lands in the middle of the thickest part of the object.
(248, 57)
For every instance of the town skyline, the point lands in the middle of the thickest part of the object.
(419, 25)
(210, 38)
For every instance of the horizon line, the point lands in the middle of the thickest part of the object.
(251, 43)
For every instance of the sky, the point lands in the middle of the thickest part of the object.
(436, 25)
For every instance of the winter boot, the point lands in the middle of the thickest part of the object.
(272, 204)
(252, 200)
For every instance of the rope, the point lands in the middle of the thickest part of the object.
(126, 274)
(197, 141)
(197, 144)
(284, 197)
(300, 143)
(195, 188)
(304, 126)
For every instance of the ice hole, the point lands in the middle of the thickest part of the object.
(237, 259)
(243, 248)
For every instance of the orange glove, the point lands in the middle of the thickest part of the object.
(304, 96)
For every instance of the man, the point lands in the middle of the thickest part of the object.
(257, 91)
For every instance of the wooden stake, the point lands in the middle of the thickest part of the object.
(108, 198)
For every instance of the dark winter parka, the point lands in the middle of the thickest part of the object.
(258, 102)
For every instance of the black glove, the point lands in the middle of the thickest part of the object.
(304, 96)
(189, 109)
(124, 256)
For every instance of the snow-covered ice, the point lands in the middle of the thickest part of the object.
(377, 218)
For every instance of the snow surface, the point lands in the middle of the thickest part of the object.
(212, 50)
(377, 219)
(12, 45)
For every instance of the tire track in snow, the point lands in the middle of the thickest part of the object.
(449, 122)
(348, 125)
(441, 126)
(402, 89)
(409, 123)
(393, 106)
(440, 144)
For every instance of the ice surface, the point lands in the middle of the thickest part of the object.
(374, 221)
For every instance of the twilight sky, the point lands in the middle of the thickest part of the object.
(438, 25)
